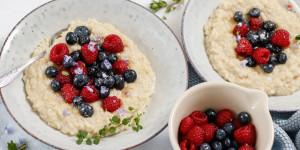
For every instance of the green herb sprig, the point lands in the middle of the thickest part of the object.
(160, 4)
(13, 146)
(297, 37)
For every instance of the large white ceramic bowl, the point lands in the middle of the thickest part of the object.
(196, 15)
(225, 95)
(151, 35)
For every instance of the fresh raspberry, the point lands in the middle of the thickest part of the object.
(120, 67)
(91, 81)
(236, 123)
(68, 92)
(244, 48)
(261, 55)
(241, 29)
(58, 52)
(224, 116)
(64, 76)
(246, 147)
(209, 132)
(245, 135)
(89, 53)
(281, 38)
(199, 118)
(196, 135)
(113, 44)
(182, 137)
(89, 94)
(255, 23)
(186, 124)
(192, 147)
(79, 68)
(184, 145)
(111, 104)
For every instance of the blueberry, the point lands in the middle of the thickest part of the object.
(71, 38)
(76, 55)
(263, 37)
(220, 134)
(86, 110)
(111, 73)
(244, 20)
(99, 48)
(95, 64)
(109, 81)
(119, 82)
(252, 38)
(250, 61)
(105, 65)
(227, 142)
(231, 148)
(104, 92)
(276, 49)
(98, 82)
(80, 81)
(211, 115)
(68, 61)
(112, 58)
(216, 145)
(130, 76)
(254, 12)
(55, 85)
(204, 146)
(271, 33)
(101, 74)
(281, 57)
(269, 46)
(244, 118)
(229, 129)
(273, 60)
(82, 31)
(234, 143)
(268, 68)
(82, 40)
(268, 25)
(238, 16)
(92, 71)
(101, 57)
(77, 101)
(51, 71)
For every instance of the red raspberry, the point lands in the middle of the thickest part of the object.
(261, 55)
(64, 76)
(241, 29)
(236, 124)
(91, 81)
(224, 116)
(199, 118)
(244, 48)
(58, 53)
(111, 104)
(192, 147)
(89, 94)
(79, 68)
(196, 135)
(281, 38)
(120, 67)
(186, 124)
(113, 44)
(245, 135)
(184, 145)
(182, 137)
(209, 132)
(68, 92)
(255, 23)
(89, 53)
(246, 147)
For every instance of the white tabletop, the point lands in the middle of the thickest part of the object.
(11, 12)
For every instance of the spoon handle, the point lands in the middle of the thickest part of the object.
(7, 76)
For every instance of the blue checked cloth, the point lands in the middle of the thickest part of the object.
(286, 125)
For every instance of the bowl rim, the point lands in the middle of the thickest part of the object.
(139, 5)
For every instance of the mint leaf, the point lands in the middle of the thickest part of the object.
(83, 133)
(65, 73)
(11, 146)
(297, 37)
(112, 130)
(79, 141)
(130, 108)
(88, 141)
(169, 8)
(164, 17)
(116, 120)
(96, 140)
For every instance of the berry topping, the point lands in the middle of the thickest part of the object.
(98, 82)
(281, 57)
(86, 110)
(80, 81)
(58, 53)
(252, 38)
(92, 71)
(244, 48)
(268, 25)
(220, 134)
(111, 104)
(99, 48)
(250, 61)
(113, 44)
(64, 76)
(105, 65)
(101, 56)
(227, 142)
(268, 68)
(199, 118)
(256, 23)
(68, 92)
(245, 135)
(55, 85)
(130, 76)
(109, 81)
(89, 94)
(238, 16)
(243, 118)
(254, 12)
(79, 68)
(224, 116)
(89, 53)
(51, 71)
(71, 38)
(211, 115)
(77, 101)
(104, 92)
(196, 135)
(112, 58)
(263, 37)
(217, 145)
(209, 132)
(82, 40)
(184, 145)
(120, 67)
(229, 128)
(82, 31)
(261, 55)
(186, 124)
(204, 146)
(273, 60)
(68, 61)
(241, 29)
(236, 124)
(281, 38)
(119, 82)
(76, 55)
(246, 147)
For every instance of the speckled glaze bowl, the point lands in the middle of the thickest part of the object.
(151, 35)
(193, 43)
(221, 95)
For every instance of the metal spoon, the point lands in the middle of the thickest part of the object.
(9, 75)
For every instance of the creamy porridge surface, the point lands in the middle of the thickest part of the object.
(49, 104)
(220, 46)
